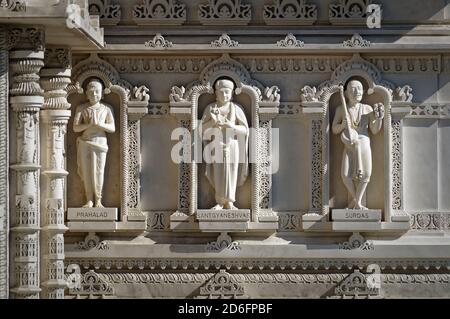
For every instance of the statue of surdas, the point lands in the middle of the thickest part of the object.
(352, 121)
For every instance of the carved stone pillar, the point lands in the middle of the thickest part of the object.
(26, 101)
(54, 117)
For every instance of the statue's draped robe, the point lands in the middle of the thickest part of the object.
(361, 169)
(232, 169)
(92, 146)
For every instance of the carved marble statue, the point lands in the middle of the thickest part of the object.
(94, 119)
(226, 121)
(352, 121)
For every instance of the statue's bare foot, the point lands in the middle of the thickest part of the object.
(99, 204)
(352, 204)
(89, 204)
(217, 207)
(360, 207)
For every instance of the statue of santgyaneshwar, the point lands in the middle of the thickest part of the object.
(94, 119)
(226, 121)
(353, 120)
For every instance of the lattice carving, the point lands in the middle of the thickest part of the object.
(290, 42)
(222, 286)
(345, 12)
(224, 12)
(290, 12)
(316, 164)
(357, 41)
(159, 12)
(109, 13)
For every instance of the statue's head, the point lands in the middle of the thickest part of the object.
(354, 91)
(224, 90)
(94, 91)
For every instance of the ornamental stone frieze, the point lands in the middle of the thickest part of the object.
(224, 149)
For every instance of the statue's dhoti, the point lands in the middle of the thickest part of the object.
(91, 158)
(357, 160)
(225, 174)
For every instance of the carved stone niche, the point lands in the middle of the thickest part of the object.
(120, 189)
(196, 195)
(328, 192)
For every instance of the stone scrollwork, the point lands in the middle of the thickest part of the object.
(13, 5)
(356, 285)
(222, 286)
(92, 241)
(309, 94)
(159, 42)
(224, 12)
(357, 241)
(290, 12)
(92, 286)
(224, 41)
(349, 12)
(290, 42)
(356, 41)
(109, 13)
(224, 241)
(177, 94)
(140, 94)
(159, 12)
(404, 94)
(397, 166)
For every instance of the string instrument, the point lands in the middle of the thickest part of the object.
(349, 134)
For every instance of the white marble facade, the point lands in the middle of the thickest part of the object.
(329, 139)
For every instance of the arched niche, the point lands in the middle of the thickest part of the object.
(119, 94)
(260, 105)
(332, 190)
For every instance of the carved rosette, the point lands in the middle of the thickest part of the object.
(290, 12)
(26, 101)
(159, 12)
(224, 12)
